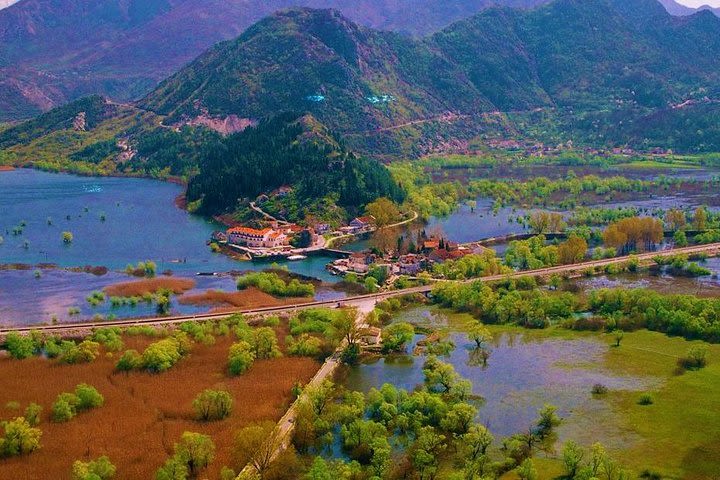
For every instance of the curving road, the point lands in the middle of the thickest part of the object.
(361, 300)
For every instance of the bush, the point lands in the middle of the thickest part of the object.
(84, 352)
(304, 346)
(271, 283)
(240, 358)
(110, 338)
(130, 360)
(646, 399)
(20, 346)
(212, 405)
(163, 354)
(695, 358)
(19, 438)
(88, 397)
(67, 405)
(599, 389)
(99, 469)
(32, 414)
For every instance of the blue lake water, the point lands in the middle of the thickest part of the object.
(523, 373)
(141, 223)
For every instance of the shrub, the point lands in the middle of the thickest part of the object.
(84, 352)
(265, 343)
(67, 237)
(240, 358)
(270, 282)
(212, 405)
(20, 346)
(108, 337)
(162, 355)
(32, 414)
(304, 346)
(99, 469)
(130, 360)
(695, 358)
(19, 438)
(88, 397)
(193, 453)
(599, 389)
(646, 399)
(67, 405)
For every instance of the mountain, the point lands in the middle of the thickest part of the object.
(53, 51)
(675, 8)
(587, 63)
(601, 73)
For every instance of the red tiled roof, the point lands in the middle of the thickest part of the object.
(249, 231)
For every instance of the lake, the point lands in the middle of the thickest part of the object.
(141, 222)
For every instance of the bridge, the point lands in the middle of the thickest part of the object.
(712, 249)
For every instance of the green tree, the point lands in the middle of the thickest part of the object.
(265, 343)
(195, 451)
(547, 421)
(240, 357)
(32, 414)
(67, 237)
(396, 336)
(680, 239)
(526, 470)
(130, 360)
(476, 442)
(425, 452)
(20, 346)
(98, 469)
(256, 445)
(19, 438)
(572, 456)
(88, 397)
(212, 405)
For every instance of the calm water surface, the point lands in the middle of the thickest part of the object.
(524, 372)
(141, 223)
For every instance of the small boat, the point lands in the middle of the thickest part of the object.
(295, 258)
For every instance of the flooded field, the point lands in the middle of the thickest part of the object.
(525, 371)
(114, 222)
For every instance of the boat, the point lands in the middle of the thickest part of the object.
(295, 258)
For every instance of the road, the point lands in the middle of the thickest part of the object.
(361, 300)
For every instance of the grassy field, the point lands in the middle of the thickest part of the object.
(677, 437)
(144, 414)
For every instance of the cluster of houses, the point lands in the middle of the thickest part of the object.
(279, 234)
(410, 264)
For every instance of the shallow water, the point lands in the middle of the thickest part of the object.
(523, 373)
(141, 223)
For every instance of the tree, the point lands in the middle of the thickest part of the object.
(680, 239)
(212, 405)
(130, 360)
(459, 418)
(547, 421)
(32, 414)
(476, 441)
(384, 210)
(396, 336)
(425, 451)
(240, 358)
(173, 469)
(195, 451)
(62, 410)
(84, 352)
(20, 346)
(675, 219)
(67, 237)
(265, 343)
(526, 470)
(88, 397)
(480, 335)
(700, 219)
(19, 438)
(618, 335)
(98, 469)
(345, 326)
(572, 458)
(256, 445)
(573, 250)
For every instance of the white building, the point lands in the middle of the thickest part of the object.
(250, 237)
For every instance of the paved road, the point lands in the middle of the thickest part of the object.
(360, 300)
